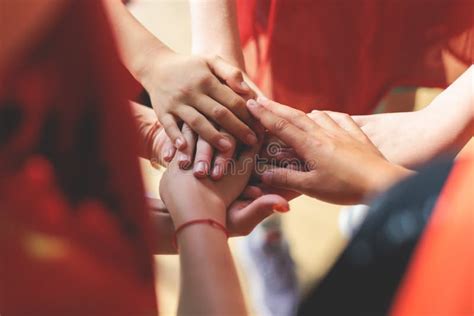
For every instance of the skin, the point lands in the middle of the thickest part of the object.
(243, 214)
(205, 257)
(443, 127)
(198, 90)
(342, 165)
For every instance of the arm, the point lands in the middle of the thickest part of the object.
(137, 44)
(339, 163)
(184, 88)
(210, 285)
(209, 282)
(215, 30)
(413, 138)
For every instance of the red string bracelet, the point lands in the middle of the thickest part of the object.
(207, 221)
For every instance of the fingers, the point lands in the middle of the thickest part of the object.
(280, 127)
(324, 121)
(185, 155)
(285, 193)
(203, 158)
(222, 161)
(170, 125)
(285, 178)
(251, 192)
(296, 117)
(203, 128)
(242, 221)
(226, 119)
(231, 100)
(346, 122)
(232, 75)
(168, 150)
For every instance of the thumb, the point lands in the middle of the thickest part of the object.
(242, 220)
(232, 75)
(285, 178)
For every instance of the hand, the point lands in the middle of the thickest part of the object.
(394, 134)
(154, 144)
(242, 216)
(190, 198)
(343, 165)
(199, 91)
(443, 127)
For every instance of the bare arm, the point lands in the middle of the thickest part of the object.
(210, 285)
(184, 88)
(215, 30)
(413, 138)
(137, 44)
(209, 282)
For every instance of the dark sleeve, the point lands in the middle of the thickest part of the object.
(366, 276)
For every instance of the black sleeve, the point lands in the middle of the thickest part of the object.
(366, 276)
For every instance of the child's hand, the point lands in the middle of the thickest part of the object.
(189, 198)
(199, 91)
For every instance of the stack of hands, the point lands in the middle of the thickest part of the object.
(206, 116)
(237, 158)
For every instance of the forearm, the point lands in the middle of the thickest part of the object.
(215, 30)
(451, 115)
(163, 233)
(136, 44)
(209, 282)
(414, 138)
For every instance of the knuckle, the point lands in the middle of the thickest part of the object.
(166, 122)
(232, 141)
(195, 121)
(180, 95)
(280, 125)
(220, 112)
(236, 74)
(237, 102)
(205, 80)
(345, 116)
(299, 115)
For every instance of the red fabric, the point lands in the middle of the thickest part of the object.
(74, 235)
(344, 55)
(440, 278)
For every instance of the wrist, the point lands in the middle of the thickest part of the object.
(230, 55)
(384, 176)
(144, 65)
(187, 212)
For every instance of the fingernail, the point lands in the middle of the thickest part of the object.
(251, 103)
(244, 86)
(168, 155)
(281, 208)
(262, 100)
(179, 143)
(200, 168)
(217, 171)
(224, 144)
(183, 161)
(251, 139)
